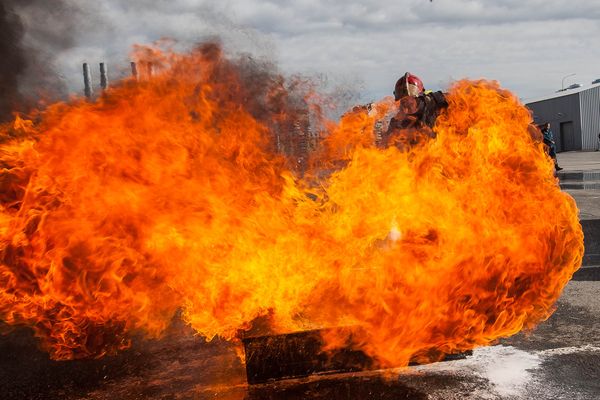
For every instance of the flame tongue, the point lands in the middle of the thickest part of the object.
(169, 194)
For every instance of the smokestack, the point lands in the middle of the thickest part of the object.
(149, 69)
(103, 76)
(87, 81)
(134, 71)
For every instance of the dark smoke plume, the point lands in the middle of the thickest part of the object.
(32, 33)
(12, 60)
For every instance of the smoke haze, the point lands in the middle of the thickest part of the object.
(13, 60)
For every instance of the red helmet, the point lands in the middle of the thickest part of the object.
(408, 85)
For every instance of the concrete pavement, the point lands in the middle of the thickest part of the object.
(580, 177)
(579, 161)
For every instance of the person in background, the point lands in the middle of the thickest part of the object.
(598, 149)
(548, 138)
(418, 111)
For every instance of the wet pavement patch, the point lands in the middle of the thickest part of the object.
(338, 389)
(591, 239)
(28, 373)
(587, 273)
(593, 175)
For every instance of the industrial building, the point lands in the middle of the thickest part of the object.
(573, 114)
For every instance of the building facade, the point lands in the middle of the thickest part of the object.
(574, 117)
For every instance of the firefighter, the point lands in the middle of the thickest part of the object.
(548, 139)
(418, 110)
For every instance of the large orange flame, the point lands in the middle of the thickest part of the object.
(169, 194)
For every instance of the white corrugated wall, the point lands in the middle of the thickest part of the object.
(589, 102)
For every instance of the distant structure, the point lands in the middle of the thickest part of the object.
(103, 76)
(294, 137)
(87, 81)
(573, 114)
(88, 84)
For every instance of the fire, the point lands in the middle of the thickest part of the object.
(169, 194)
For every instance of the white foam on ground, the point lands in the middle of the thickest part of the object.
(507, 369)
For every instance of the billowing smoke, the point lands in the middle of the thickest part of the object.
(13, 59)
(43, 44)
(33, 33)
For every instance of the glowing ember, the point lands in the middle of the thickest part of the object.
(169, 194)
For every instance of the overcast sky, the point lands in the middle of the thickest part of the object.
(527, 45)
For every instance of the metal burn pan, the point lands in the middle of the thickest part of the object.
(299, 354)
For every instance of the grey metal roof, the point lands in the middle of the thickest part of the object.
(566, 92)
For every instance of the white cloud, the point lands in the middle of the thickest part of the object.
(527, 46)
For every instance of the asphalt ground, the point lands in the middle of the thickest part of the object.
(559, 359)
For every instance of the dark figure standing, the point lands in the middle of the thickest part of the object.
(548, 138)
(418, 110)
